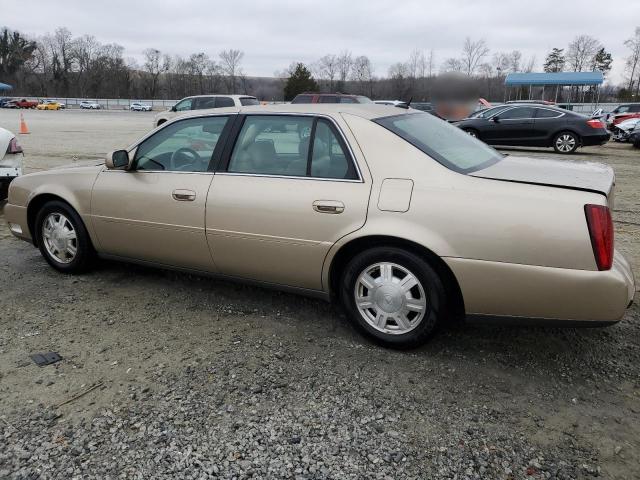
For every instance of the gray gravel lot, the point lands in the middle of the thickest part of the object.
(197, 378)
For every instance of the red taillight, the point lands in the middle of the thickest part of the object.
(13, 146)
(601, 233)
(593, 123)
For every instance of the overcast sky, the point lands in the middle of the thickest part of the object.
(274, 33)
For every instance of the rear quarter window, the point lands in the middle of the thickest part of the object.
(222, 102)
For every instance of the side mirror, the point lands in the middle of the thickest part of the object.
(117, 160)
(173, 109)
(496, 119)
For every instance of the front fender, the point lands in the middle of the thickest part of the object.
(72, 185)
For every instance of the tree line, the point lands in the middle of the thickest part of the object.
(63, 65)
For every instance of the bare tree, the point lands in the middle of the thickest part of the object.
(59, 50)
(230, 62)
(345, 63)
(398, 75)
(581, 51)
(153, 66)
(531, 64)
(199, 62)
(327, 69)
(472, 55)
(514, 58)
(633, 61)
(452, 65)
(362, 74)
(431, 63)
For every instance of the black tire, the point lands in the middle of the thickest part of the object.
(85, 253)
(161, 122)
(561, 140)
(430, 281)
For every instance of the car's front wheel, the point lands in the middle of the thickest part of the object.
(471, 131)
(63, 239)
(566, 142)
(394, 296)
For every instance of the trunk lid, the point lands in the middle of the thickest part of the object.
(588, 176)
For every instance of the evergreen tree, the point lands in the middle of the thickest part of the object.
(299, 81)
(602, 61)
(555, 61)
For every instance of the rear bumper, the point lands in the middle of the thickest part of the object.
(545, 293)
(16, 217)
(599, 139)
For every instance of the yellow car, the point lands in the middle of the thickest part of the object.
(49, 106)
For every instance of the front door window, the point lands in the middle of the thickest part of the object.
(183, 146)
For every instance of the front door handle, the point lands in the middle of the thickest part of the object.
(184, 195)
(328, 206)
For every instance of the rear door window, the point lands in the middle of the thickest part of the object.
(222, 102)
(546, 113)
(303, 99)
(247, 101)
(204, 102)
(272, 145)
(286, 145)
(517, 113)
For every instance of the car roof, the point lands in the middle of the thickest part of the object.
(325, 94)
(221, 95)
(364, 110)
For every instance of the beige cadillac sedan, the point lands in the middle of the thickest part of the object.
(404, 219)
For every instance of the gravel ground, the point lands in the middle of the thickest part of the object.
(197, 378)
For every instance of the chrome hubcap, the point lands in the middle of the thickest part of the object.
(472, 133)
(390, 298)
(59, 238)
(566, 143)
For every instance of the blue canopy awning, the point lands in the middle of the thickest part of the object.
(559, 78)
(4, 86)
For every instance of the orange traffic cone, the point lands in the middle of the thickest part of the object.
(23, 126)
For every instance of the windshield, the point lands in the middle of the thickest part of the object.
(442, 141)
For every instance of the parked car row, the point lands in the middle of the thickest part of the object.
(39, 104)
(621, 113)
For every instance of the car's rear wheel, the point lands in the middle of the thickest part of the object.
(393, 296)
(566, 142)
(160, 122)
(63, 239)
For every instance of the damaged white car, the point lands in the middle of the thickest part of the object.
(10, 160)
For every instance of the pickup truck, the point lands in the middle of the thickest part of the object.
(24, 103)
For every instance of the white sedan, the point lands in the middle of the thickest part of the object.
(139, 107)
(90, 105)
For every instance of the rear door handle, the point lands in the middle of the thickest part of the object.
(328, 206)
(183, 195)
